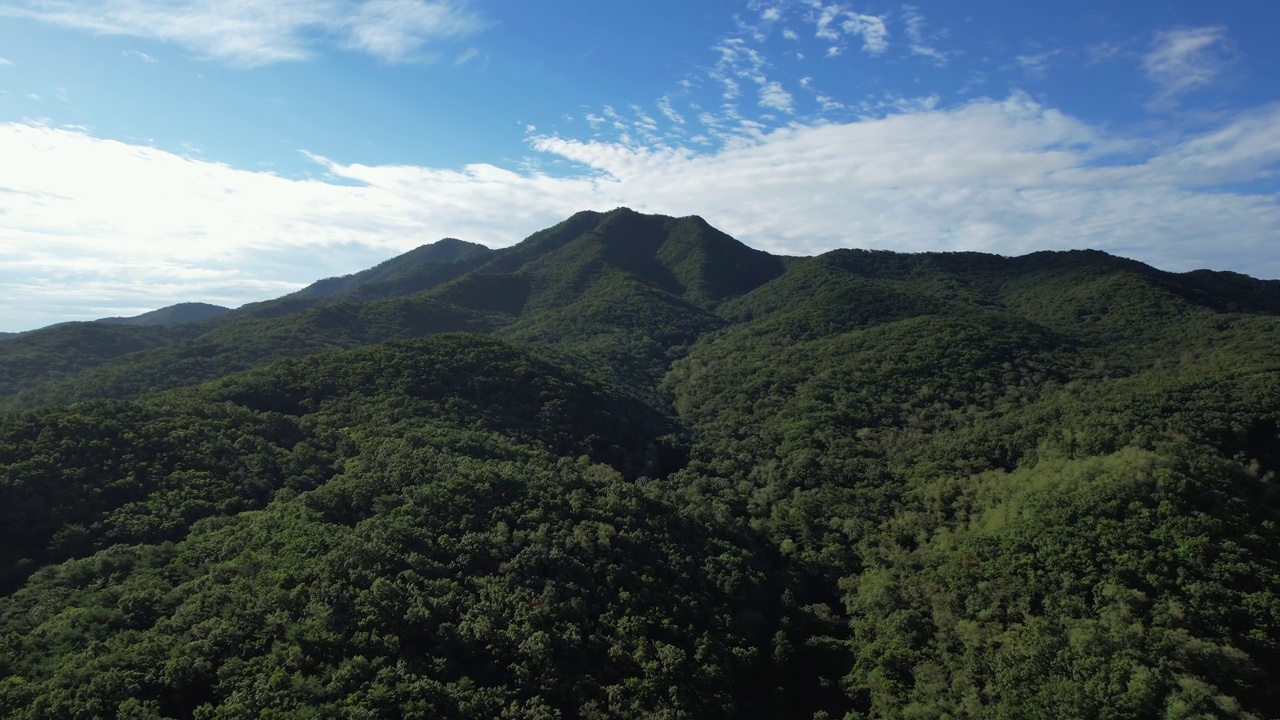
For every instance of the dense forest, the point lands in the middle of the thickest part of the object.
(632, 468)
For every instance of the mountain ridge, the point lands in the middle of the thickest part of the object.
(679, 272)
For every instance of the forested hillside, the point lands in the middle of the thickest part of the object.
(632, 468)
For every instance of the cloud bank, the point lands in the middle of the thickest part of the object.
(109, 226)
(250, 33)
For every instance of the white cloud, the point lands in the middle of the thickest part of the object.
(664, 106)
(772, 95)
(1243, 150)
(643, 118)
(138, 54)
(394, 30)
(5, 61)
(824, 20)
(771, 14)
(737, 61)
(875, 36)
(790, 34)
(251, 33)
(615, 119)
(95, 220)
(1182, 61)
(830, 21)
(829, 104)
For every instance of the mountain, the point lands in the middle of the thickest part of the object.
(619, 285)
(419, 269)
(630, 467)
(171, 315)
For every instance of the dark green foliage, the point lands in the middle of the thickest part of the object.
(244, 344)
(77, 479)
(60, 351)
(683, 479)
(684, 257)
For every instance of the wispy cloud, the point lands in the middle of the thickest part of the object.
(739, 64)
(921, 42)
(664, 106)
(466, 56)
(1099, 53)
(92, 219)
(772, 95)
(5, 61)
(251, 33)
(394, 30)
(1037, 64)
(139, 55)
(1184, 60)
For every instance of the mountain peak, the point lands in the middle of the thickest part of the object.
(448, 249)
(684, 256)
(172, 315)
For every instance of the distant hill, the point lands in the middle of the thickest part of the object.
(30, 359)
(246, 343)
(55, 353)
(171, 315)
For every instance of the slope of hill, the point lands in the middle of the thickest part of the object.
(30, 359)
(419, 269)
(403, 271)
(171, 315)
(245, 343)
(681, 478)
(58, 352)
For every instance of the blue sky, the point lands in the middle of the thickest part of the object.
(157, 151)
